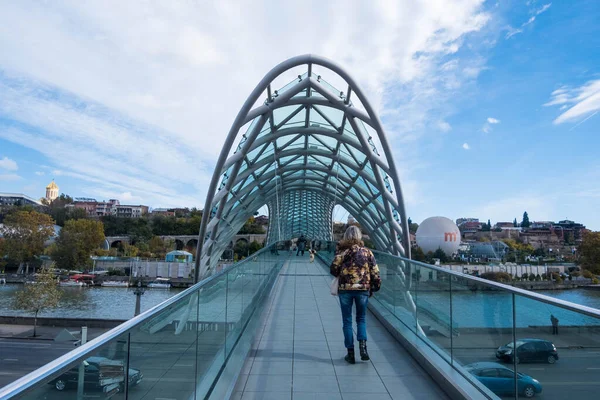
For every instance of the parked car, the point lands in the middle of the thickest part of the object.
(529, 350)
(100, 374)
(501, 380)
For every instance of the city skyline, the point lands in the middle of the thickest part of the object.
(490, 108)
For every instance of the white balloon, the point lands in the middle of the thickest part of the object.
(438, 233)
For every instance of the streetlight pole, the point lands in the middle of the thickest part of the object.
(138, 292)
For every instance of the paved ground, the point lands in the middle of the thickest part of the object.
(20, 357)
(299, 354)
(575, 374)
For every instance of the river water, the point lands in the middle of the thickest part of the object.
(479, 309)
(93, 302)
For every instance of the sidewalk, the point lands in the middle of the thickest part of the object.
(43, 332)
(299, 353)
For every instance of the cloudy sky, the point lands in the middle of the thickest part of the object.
(491, 107)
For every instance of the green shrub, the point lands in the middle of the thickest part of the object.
(115, 272)
(497, 276)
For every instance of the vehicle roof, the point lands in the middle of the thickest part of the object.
(96, 359)
(486, 364)
(533, 340)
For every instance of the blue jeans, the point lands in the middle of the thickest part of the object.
(361, 298)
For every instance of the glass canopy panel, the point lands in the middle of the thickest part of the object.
(290, 85)
(329, 141)
(316, 118)
(333, 114)
(300, 94)
(280, 114)
(330, 88)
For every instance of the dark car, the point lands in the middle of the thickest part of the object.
(100, 374)
(528, 350)
(501, 380)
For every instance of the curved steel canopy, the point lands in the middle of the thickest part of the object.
(304, 150)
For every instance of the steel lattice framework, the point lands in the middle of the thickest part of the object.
(306, 148)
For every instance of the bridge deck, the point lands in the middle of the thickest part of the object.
(299, 353)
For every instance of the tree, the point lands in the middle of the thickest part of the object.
(157, 247)
(525, 223)
(589, 252)
(418, 254)
(515, 223)
(487, 227)
(251, 227)
(254, 246)
(412, 227)
(76, 243)
(38, 296)
(439, 254)
(25, 233)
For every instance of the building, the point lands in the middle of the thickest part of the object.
(87, 204)
(351, 220)
(568, 229)
(113, 207)
(461, 221)
(125, 211)
(164, 211)
(506, 226)
(17, 199)
(262, 220)
(486, 250)
(470, 227)
(51, 191)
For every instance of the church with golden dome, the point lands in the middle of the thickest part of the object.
(51, 191)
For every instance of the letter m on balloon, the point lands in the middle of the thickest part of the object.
(449, 236)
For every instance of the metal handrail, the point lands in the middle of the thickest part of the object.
(589, 311)
(39, 375)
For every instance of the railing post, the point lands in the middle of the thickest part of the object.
(514, 335)
(451, 325)
(81, 376)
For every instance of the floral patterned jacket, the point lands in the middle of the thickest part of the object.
(355, 267)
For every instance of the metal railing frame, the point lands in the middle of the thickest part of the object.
(42, 374)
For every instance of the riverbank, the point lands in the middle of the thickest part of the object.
(177, 283)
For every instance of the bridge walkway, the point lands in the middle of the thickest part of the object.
(299, 354)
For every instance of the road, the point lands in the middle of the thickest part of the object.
(574, 375)
(20, 357)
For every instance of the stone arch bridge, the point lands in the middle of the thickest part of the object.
(186, 241)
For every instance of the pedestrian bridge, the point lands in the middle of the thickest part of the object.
(267, 327)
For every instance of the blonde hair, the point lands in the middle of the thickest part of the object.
(352, 233)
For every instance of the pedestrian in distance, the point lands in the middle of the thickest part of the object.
(301, 245)
(554, 321)
(358, 277)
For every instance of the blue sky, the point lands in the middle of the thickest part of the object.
(490, 106)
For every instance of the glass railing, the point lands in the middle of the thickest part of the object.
(473, 323)
(176, 350)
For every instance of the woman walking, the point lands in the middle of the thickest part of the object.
(355, 267)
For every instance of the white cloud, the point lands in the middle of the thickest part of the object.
(515, 31)
(543, 9)
(40, 173)
(8, 164)
(512, 32)
(444, 126)
(141, 100)
(493, 120)
(9, 177)
(466, 146)
(582, 102)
